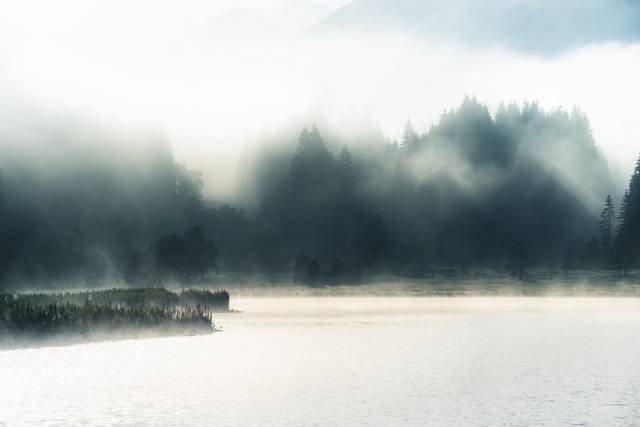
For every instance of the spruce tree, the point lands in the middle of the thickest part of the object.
(607, 224)
(622, 212)
(409, 137)
(628, 239)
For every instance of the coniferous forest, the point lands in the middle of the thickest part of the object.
(518, 190)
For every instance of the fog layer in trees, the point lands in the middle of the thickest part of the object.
(88, 206)
(474, 191)
(83, 203)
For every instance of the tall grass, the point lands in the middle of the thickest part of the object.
(109, 311)
(215, 300)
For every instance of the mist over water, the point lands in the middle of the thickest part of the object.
(427, 212)
(401, 361)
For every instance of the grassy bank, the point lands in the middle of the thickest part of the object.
(107, 314)
(214, 300)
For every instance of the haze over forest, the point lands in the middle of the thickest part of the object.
(351, 147)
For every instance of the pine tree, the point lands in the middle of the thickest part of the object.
(622, 212)
(607, 224)
(628, 239)
(312, 153)
(345, 157)
(409, 137)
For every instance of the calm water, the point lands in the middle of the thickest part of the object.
(347, 361)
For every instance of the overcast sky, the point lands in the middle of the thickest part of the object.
(24, 15)
(214, 89)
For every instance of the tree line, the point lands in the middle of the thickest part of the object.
(518, 189)
(507, 192)
(617, 246)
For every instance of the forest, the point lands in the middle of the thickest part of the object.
(521, 189)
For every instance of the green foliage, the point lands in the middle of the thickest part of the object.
(184, 258)
(206, 298)
(410, 139)
(463, 194)
(84, 213)
(628, 238)
(136, 297)
(329, 208)
(607, 223)
(109, 311)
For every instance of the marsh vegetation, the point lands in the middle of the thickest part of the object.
(110, 313)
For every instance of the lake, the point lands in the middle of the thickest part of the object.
(350, 361)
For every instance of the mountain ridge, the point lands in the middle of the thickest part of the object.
(536, 27)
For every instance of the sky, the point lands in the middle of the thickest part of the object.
(291, 16)
(215, 81)
(98, 15)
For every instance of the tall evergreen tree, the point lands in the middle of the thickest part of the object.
(312, 156)
(628, 241)
(622, 212)
(409, 137)
(607, 228)
(607, 224)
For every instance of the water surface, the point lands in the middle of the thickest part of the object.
(350, 360)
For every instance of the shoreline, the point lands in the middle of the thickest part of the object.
(13, 342)
(35, 319)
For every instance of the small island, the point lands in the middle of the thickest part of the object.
(29, 319)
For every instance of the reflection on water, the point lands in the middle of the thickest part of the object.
(350, 360)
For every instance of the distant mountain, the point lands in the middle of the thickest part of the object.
(539, 26)
(236, 36)
(238, 24)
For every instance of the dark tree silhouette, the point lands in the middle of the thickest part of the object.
(521, 264)
(628, 239)
(184, 258)
(410, 138)
(607, 228)
(451, 199)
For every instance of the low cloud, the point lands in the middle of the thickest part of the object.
(212, 101)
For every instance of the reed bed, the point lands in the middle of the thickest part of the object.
(110, 311)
